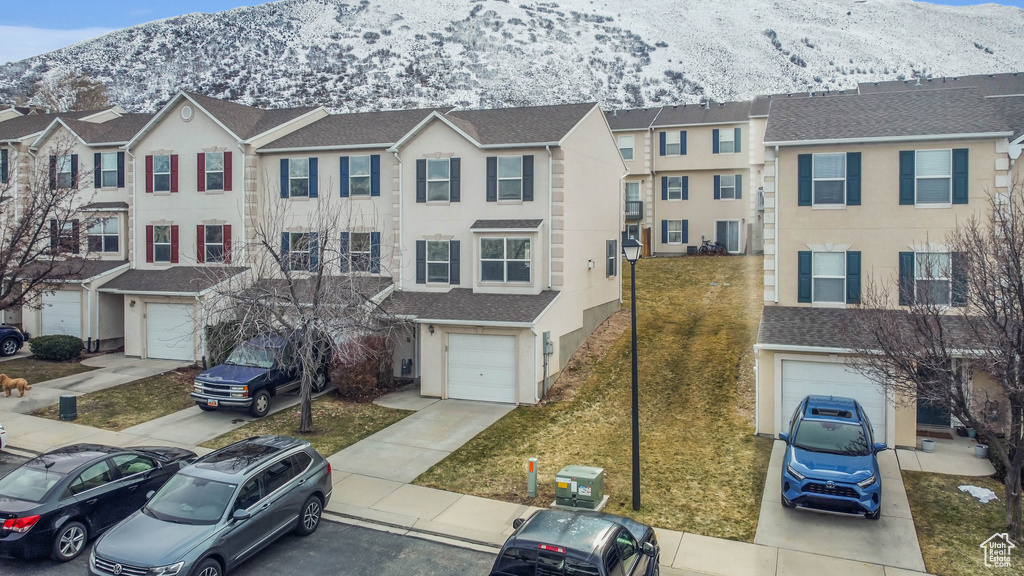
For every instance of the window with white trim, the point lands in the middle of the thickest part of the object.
(932, 277)
(675, 187)
(298, 179)
(726, 141)
(162, 244)
(675, 231)
(934, 176)
(359, 175)
(64, 171)
(108, 170)
(510, 178)
(102, 236)
(438, 261)
(626, 146)
(161, 172)
(728, 186)
(672, 143)
(632, 191)
(829, 173)
(438, 180)
(359, 244)
(213, 242)
(298, 250)
(829, 276)
(504, 259)
(611, 248)
(214, 170)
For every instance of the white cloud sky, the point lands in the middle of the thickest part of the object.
(20, 42)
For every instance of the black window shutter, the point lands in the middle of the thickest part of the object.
(686, 187)
(528, 178)
(906, 277)
(661, 136)
(664, 231)
(421, 261)
(375, 252)
(455, 179)
(739, 185)
(285, 246)
(492, 178)
(375, 175)
(75, 231)
(682, 142)
(314, 178)
(74, 170)
(803, 276)
(97, 162)
(853, 179)
(718, 187)
(314, 250)
(853, 277)
(714, 141)
(343, 166)
(737, 138)
(454, 263)
(805, 180)
(53, 172)
(664, 187)
(53, 235)
(907, 175)
(421, 181)
(960, 180)
(284, 181)
(686, 231)
(120, 169)
(3, 166)
(959, 265)
(343, 252)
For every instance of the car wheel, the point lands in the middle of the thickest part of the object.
(205, 407)
(208, 567)
(260, 404)
(8, 347)
(786, 503)
(69, 542)
(309, 517)
(320, 380)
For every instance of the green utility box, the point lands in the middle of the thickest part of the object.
(580, 487)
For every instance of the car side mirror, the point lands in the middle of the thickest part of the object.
(649, 549)
(880, 447)
(149, 495)
(241, 515)
(517, 523)
(784, 436)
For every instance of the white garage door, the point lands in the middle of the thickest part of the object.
(169, 331)
(482, 367)
(62, 313)
(800, 379)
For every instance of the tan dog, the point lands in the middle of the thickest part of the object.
(10, 384)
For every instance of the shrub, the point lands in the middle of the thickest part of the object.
(362, 369)
(57, 347)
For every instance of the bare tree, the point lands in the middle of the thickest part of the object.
(71, 91)
(929, 348)
(304, 282)
(40, 223)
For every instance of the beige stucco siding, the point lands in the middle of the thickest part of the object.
(701, 210)
(642, 150)
(699, 150)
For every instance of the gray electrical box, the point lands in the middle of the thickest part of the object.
(580, 487)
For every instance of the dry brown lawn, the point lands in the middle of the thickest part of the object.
(702, 468)
(36, 371)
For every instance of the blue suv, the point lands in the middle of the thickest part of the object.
(830, 461)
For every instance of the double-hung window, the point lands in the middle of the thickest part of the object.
(726, 141)
(829, 273)
(438, 180)
(64, 175)
(102, 236)
(633, 192)
(510, 178)
(672, 146)
(359, 250)
(213, 243)
(728, 186)
(359, 175)
(505, 259)
(108, 170)
(934, 175)
(675, 231)
(626, 146)
(162, 173)
(674, 185)
(298, 250)
(214, 170)
(829, 173)
(162, 244)
(438, 261)
(611, 248)
(298, 177)
(932, 278)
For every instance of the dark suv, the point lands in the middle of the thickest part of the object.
(220, 511)
(11, 340)
(255, 371)
(562, 543)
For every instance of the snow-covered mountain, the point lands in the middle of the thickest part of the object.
(380, 54)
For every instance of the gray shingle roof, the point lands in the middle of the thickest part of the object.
(528, 125)
(506, 224)
(22, 126)
(366, 286)
(182, 279)
(354, 129)
(639, 119)
(115, 131)
(75, 269)
(1012, 108)
(463, 305)
(987, 84)
(882, 115)
(247, 121)
(715, 113)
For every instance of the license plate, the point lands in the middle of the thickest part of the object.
(211, 402)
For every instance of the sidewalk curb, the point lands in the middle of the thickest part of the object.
(23, 452)
(434, 536)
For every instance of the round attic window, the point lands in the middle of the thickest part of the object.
(186, 113)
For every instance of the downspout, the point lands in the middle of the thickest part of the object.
(401, 228)
(202, 329)
(551, 200)
(622, 203)
(777, 190)
(133, 227)
(88, 322)
(654, 192)
(757, 388)
(245, 223)
(536, 383)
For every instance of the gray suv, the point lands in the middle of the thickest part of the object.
(218, 512)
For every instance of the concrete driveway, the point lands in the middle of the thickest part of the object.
(112, 370)
(890, 540)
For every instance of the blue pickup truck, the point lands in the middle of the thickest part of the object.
(11, 340)
(254, 372)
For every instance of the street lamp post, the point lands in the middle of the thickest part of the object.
(631, 249)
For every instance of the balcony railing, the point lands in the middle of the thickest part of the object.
(634, 209)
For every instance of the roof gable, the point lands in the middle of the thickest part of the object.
(356, 130)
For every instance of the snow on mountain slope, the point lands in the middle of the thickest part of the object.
(379, 54)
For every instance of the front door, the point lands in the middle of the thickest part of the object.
(632, 231)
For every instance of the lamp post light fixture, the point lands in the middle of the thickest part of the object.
(631, 250)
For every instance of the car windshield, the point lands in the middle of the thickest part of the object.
(833, 437)
(254, 356)
(31, 484)
(189, 500)
(529, 561)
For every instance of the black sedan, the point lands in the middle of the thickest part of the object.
(53, 504)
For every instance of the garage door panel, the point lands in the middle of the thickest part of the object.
(169, 331)
(482, 367)
(62, 313)
(801, 378)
